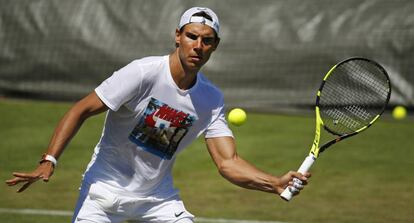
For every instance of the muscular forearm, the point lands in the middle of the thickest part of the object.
(243, 174)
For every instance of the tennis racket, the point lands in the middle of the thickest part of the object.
(352, 96)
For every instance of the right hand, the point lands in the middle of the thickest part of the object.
(295, 180)
(43, 171)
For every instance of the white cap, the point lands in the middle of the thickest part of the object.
(188, 17)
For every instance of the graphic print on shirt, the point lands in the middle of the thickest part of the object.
(161, 128)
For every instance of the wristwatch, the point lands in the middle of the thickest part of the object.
(47, 157)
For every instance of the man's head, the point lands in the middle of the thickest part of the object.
(197, 36)
(200, 15)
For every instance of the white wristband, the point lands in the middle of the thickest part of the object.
(46, 157)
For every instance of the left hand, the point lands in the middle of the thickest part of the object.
(43, 171)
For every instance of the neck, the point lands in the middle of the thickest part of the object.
(184, 78)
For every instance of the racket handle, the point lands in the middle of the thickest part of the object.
(306, 165)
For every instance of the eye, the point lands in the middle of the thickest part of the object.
(208, 40)
(192, 36)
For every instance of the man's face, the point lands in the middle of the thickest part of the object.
(196, 42)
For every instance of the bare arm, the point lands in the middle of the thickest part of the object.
(72, 121)
(240, 172)
(64, 132)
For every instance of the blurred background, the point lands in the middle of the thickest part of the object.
(272, 56)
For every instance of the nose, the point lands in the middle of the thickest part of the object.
(198, 45)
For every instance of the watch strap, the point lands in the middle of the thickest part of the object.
(47, 157)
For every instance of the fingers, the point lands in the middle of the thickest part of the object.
(18, 180)
(295, 186)
(14, 181)
(303, 177)
(27, 178)
(294, 190)
(23, 175)
(307, 175)
(19, 177)
(297, 182)
(43, 171)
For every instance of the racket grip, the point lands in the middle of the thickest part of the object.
(287, 194)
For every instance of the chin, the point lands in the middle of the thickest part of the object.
(194, 66)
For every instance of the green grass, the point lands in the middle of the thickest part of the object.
(365, 179)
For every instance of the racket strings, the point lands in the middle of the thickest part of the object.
(354, 93)
(370, 78)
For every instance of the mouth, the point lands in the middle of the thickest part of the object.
(196, 58)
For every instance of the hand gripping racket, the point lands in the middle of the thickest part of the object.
(352, 96)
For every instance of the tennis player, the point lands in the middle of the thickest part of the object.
(155, 107)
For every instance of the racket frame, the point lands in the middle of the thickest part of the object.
(315, 150)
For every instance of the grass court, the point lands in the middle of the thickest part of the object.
(367, 178)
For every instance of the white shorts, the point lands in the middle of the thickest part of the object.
(98, 204)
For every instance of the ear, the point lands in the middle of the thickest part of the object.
(177, 37)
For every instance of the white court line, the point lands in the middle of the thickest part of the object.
(219, 220)
(36, 212)
(69, 213)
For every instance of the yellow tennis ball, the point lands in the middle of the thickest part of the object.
(399, 112)
(237, 117)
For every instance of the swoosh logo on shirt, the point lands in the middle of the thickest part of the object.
(179, 214)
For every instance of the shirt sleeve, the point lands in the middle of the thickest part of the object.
(218, 127)
(121, 87)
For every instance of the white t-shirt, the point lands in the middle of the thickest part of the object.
(151, 120)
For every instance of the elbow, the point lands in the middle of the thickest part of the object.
(226, 168)
(77, 114)
(223, 168)
(229, 170)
